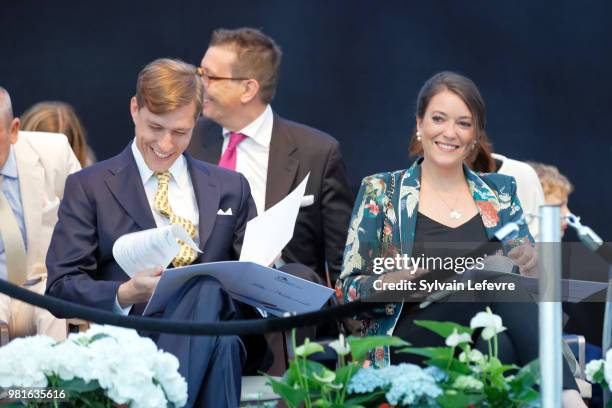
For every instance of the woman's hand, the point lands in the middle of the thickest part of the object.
(526, 257)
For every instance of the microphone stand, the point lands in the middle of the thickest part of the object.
(592, 241)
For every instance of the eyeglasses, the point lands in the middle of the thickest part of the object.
(208, 78)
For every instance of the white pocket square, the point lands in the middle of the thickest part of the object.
(226, 212)
(307, 200)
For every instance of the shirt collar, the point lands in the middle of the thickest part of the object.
(260, 130)
(10, 166)
(178, 170)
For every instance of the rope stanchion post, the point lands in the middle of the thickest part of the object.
(549, 266)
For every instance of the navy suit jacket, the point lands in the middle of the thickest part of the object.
(107, 200)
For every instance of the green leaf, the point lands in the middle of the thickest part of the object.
(459, 399)
(321, 403)
(525, 397)
(291, 375)
(77, 385)
(313, 367)
(530, 371)
(292, 396)
(98, 337)
(522, 386)
(361, 345)
(443, 329)
(495, 370)
(342, 373)
(497, 395)
(455, 366)
(366, 399)
(431, 352)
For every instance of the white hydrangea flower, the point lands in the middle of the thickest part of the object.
(22, 362)
(491, 323)
(455, 338)
(70, 360)
(607, 367)
(128, 367)
(166, 372)
(592, 368)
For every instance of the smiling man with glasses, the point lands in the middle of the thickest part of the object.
(240, 131)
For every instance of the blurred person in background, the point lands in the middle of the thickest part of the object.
(33, 171)
(60, 117)
(556, 187)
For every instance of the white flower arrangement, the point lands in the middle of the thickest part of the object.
(455, 338)
(127, 368)
(600, 371)
(469, 379)
(490, 322)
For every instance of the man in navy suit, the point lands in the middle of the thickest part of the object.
(152, 183)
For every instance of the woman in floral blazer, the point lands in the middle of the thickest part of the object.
(385, 216)
(450, 118)
(370, 230)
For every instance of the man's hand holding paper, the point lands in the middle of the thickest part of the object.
(139, 288)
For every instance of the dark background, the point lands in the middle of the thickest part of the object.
(351, 68)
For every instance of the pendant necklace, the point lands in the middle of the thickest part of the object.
(454, 214)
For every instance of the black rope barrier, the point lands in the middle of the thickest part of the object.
(153, 324)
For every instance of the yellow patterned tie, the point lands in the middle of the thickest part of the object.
(186, 255)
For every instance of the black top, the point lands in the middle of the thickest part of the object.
(434, 240)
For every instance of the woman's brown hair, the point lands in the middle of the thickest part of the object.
(58, 117)
(480, 158)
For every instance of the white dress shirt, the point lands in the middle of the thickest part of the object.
(180, 191)
(180, 196)
(252, 155)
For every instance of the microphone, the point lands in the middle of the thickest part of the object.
(590, 239)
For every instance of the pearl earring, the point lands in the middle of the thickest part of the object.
(418, 135)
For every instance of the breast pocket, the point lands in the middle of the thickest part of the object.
(225, 220)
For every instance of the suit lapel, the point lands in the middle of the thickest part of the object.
(125, 184)
(207, 196)
(487, 202)
(31, 187)
(207, 141)
(282, 163)
(409, 191)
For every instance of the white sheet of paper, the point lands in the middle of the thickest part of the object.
(267, 234)
(150, 248)
(274, 291)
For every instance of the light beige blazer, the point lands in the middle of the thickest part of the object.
(44, 160)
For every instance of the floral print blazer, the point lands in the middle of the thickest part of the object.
(383, 225)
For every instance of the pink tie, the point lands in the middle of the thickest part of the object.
(228, 160)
